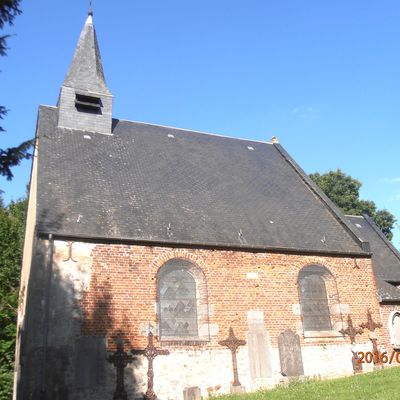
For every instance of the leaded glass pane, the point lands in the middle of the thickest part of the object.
(314, 303)
(178, 306)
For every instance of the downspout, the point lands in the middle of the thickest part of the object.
(48, 280)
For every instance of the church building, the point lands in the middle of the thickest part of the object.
(386, 266)
(170, 262)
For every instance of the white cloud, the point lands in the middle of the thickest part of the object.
(391, 180)
(305, 112)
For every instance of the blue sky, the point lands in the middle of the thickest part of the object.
(322, 76)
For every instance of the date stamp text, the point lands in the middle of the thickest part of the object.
(377, 357)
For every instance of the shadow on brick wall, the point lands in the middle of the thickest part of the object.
(60, 359)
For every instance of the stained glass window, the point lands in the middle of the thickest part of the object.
(178, 304)
(314, 302)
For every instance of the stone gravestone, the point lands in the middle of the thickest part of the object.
(258, 346)
(90, 366)
(192, 393)
(290, 354)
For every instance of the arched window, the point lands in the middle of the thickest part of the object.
(394, 329)
(314, 299)
(182, 301)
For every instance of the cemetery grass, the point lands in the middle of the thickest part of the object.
(379, 385)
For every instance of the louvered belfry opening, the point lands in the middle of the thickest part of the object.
(87, 103)
(314, 299)
(177, 300)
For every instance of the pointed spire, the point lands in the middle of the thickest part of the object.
(86, 70)
(85, 102)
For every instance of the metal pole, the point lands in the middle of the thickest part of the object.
(49, 277)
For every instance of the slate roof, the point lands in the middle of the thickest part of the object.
(86, 70)
(387, 292)
(385, 257)
(168, 185)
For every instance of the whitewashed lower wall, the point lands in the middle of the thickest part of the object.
(213, 368)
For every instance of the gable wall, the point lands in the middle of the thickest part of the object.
(28, 251)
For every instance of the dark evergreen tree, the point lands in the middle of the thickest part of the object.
(12, 156)
(344, 191)
(12, 225)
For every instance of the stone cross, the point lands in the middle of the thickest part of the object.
(351, 332)
(120, 359)
(150, 352)
(371, 325)
(232, 343)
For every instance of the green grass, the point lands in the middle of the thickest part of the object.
(382, 385)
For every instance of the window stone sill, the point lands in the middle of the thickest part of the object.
(321, 334)
(179, 341)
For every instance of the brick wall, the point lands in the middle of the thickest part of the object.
(100, 292)
(122, 297)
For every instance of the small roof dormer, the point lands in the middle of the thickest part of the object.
(85, 102)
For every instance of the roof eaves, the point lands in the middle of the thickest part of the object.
(215, 245)
(386, 292)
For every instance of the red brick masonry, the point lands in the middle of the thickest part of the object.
(122, 294)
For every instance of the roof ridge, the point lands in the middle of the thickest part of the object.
(193, 131)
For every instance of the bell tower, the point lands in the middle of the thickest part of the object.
(85, 102)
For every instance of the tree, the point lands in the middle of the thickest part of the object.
(12, 226)
(344, 191)
(12, 156)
